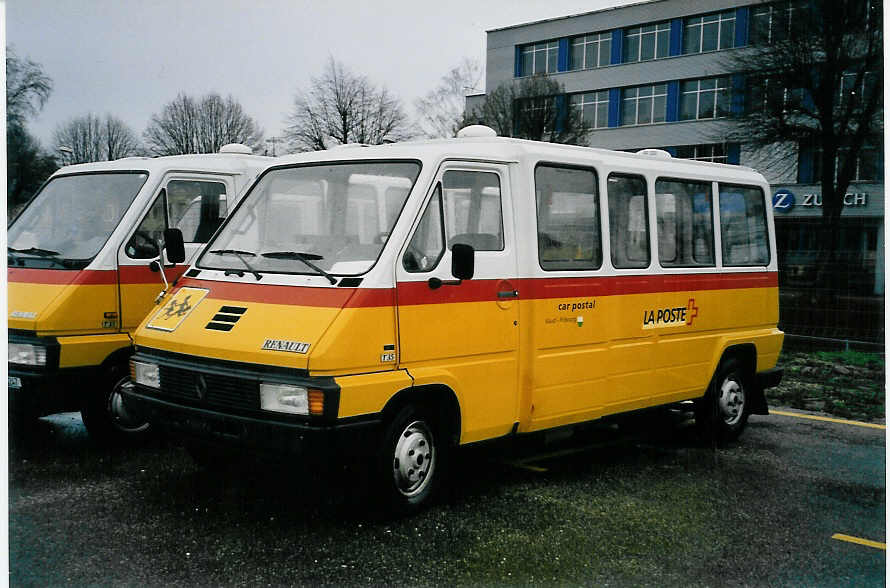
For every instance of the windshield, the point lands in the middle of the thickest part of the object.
(317, 219)
(71, 219)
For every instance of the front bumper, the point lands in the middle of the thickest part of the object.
(40, 390)
(217, 402)
(316, 442)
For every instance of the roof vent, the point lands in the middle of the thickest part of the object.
(236, 148)
(476, 131)
(657, 153)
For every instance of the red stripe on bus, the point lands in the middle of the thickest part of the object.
(142, 274)
(413, 293)
(295, 295)
(61, 277)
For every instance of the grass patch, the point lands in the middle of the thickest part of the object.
(848, 384)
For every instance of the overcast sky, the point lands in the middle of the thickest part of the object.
(130, 57)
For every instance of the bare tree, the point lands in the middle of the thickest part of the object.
(27, 88)
(202, 125)
(120, 140)
(341, 107)
(27, 165)
(535, 108)
(816, 80)
(441, 111)
(81, 138)
(91, 138)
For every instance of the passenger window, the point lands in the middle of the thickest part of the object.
(428, 243)
(197, 208)
(149, 236)
(568, 218)
(628, 221)
(473, 209)
(743, 226)
(685, 223)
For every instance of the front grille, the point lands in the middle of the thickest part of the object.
(221, 392)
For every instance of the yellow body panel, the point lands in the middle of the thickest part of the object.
(90, 350)
(542, 363)
(245, 342)
(61, 309)
(363, 394)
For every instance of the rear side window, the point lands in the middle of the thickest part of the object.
(568, 218)
(743, 226)
(685, 223)
(628, 221)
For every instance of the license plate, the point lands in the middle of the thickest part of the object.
(14, 382)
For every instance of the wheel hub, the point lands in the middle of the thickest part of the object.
(414, 459)
(121, 418)
(731, 401)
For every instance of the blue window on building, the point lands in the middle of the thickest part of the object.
(705, 98)
(539, 58)
(592, 108)
(644, 105)
(773, 23)
(589, 51)
(709, 32)
(647, 42)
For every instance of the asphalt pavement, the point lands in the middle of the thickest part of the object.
(644, 503)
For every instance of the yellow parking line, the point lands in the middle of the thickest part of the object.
(828, 419)
(866, 542)
(523, 466)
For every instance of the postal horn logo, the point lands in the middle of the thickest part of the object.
(676, 316)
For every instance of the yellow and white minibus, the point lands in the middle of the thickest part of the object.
(514, 287)
(83, 273)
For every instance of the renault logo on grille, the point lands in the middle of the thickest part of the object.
(201, 386)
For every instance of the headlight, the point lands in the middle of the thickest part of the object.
(27, 354)
(292, 399)
(145, 374)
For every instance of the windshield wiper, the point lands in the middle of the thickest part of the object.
(35, 251)
(239, 254)
(304, 257)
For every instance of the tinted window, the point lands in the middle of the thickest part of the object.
(628, 221)
(568, 218)
(685, 223)
(743, 226)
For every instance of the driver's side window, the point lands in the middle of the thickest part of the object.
(428, 243)
(149, 236)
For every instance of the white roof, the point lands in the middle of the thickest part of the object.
(503, 149)
(210, 162)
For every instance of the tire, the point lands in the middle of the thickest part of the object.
(412, 460)
(723, 411)
(105, 415)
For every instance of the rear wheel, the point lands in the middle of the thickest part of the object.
(104, 413)
(411, 462)
(723, 412)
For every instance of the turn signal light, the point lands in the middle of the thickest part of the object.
(316, 402)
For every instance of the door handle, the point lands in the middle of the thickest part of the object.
(508, 294)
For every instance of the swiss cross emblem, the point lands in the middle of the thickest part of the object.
(691, 311)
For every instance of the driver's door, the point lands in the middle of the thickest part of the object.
(196, 205)
(466, 334)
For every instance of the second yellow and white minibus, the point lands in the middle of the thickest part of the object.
(510, 287)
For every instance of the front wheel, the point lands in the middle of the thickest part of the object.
(411, 461)
(104, 413)
(723, 411)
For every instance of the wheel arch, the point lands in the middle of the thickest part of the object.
(439, 397)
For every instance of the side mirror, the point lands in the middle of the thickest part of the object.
(174, 245)
(462, 261)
